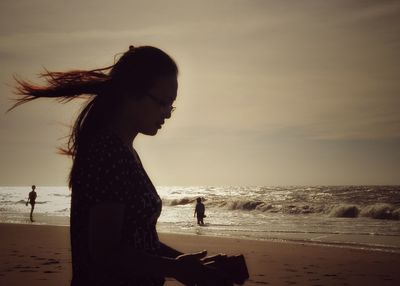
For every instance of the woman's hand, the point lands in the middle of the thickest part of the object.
(189, 269)
(218, 258)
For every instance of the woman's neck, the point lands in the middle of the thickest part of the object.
(127, 137)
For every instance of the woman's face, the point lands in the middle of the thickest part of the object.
(147, 114)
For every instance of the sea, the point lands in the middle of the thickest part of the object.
(340, 216)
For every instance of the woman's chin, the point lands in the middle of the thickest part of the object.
(151, 132)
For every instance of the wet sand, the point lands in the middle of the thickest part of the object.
(40, 255)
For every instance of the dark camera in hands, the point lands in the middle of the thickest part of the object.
(232, 268)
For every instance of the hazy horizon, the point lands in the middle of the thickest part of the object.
(271, 93)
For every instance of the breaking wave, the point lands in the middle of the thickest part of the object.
(178, 202)
(244, 205)
(344, 211)
(375, 211)
(381, 211)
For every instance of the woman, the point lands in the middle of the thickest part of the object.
(114, 205)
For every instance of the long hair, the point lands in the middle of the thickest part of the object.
(135, 71)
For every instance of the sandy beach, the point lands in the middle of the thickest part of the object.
(40, 255)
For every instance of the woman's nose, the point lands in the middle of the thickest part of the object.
(168, 111)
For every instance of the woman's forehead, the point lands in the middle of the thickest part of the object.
(165, 86)
(166, 82)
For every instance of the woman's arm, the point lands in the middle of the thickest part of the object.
(109, 252)
(168, 251)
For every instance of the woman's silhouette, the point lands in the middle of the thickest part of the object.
(114, 205)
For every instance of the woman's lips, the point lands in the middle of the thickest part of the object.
(160, 124)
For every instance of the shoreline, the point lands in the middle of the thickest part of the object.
(40, 254)
(291, 238)
(336, 239)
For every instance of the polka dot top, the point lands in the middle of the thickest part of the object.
(107, 171)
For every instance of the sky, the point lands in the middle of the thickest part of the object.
(270, 92)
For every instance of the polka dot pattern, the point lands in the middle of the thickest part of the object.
(107, 171)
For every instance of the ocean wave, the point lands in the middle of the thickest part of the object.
(62, 195)
(381, 211)
(344, 211)
(179, 202)
(257, 205)
(24, 202)
(244, 205)
(375, 211)
(301, 209)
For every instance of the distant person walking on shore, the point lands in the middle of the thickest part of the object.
(200, 210)
(31, 200)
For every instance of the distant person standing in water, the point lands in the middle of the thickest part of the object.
(31, 200)
(200, 210)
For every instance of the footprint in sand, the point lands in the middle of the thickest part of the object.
(51, 261)
(330, 275)
(259, 282)
(23, 267)
(40, 258)
(49, 271)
